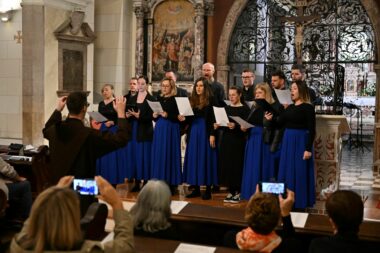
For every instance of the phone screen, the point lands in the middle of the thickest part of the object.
(275, 188)
(85, 186)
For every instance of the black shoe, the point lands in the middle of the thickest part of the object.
(136, 188)
(215, 188)
(206, 195)
(173, 189)
(194, 194)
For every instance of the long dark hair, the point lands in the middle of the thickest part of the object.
(303, 91)
(203, 100)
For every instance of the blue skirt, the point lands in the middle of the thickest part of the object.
(143, 159)
(298, 174)
(166, 152)
(107, 165)
(127, 160)
(200, 166)
(257, 165)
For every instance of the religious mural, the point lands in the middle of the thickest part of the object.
(173, 40)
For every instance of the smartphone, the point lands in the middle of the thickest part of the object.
(273, 187)
(85, 186)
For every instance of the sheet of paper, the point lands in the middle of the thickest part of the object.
(299, 219)
(110, 225)
(221, 116)
(155, 106)
(249, 103)
(228, 102)
(108, 238)
(191, 248)
(97, 116)
(176, 206)
(284, 96)
(242, 122)
(184, 106)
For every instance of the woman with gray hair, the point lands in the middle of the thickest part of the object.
(152, 211)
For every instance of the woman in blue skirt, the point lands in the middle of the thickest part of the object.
(140, 114)
(107, 165)
(257, 165)
(296, 161)
(166, 146)
(200, 166)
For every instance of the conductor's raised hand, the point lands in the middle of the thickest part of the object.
(119, 106)
(61, 103)
(108, 193)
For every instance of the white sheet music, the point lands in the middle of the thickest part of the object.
(299, 219)
(228, 102)
(242, 122)
(284, 96)
(184, 106)
(155, 106)
(249, 103)
(221, 116)
(97, 116)
(176, 206)
(191, 248)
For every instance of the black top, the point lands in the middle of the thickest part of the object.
(181, 92)
(300, 117)
(145, 124)
(342, 243)
(256, 116)
(170, 233)
(129, 95)
(218, 93)
(108, 111)
(248, 94)
(169, 105)
(74, 148)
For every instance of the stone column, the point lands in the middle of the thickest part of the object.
(139, 12)
(199, 41)
(33, 59)
(376, 148)
(222, 76)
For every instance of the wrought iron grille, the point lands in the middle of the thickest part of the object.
(342, 35)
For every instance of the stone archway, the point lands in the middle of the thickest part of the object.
(373, 11)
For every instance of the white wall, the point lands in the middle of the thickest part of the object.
(11, 79)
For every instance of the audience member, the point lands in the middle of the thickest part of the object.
(263, 213)
(152, 210)
(54, 223)
(17, 190)
(345, 211)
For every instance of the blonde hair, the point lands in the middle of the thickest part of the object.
(173, 88)
(54, 221)
(268, 91)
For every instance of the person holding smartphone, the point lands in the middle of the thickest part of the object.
(46, 219)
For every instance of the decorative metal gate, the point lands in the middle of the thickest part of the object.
(342, 35)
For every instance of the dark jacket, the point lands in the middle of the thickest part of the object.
(74, 147)
(145, 124)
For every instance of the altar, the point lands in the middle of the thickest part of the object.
(328, 152)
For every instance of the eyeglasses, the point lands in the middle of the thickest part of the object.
(246, 77)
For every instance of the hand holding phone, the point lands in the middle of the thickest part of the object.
(273, 187)
(85, 186)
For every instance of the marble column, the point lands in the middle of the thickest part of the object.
(139, 11)
(33, 59)
(222, 76)
(199, 41)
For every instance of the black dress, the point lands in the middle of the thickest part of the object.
(231, 154)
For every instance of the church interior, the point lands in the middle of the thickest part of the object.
(49, 48)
